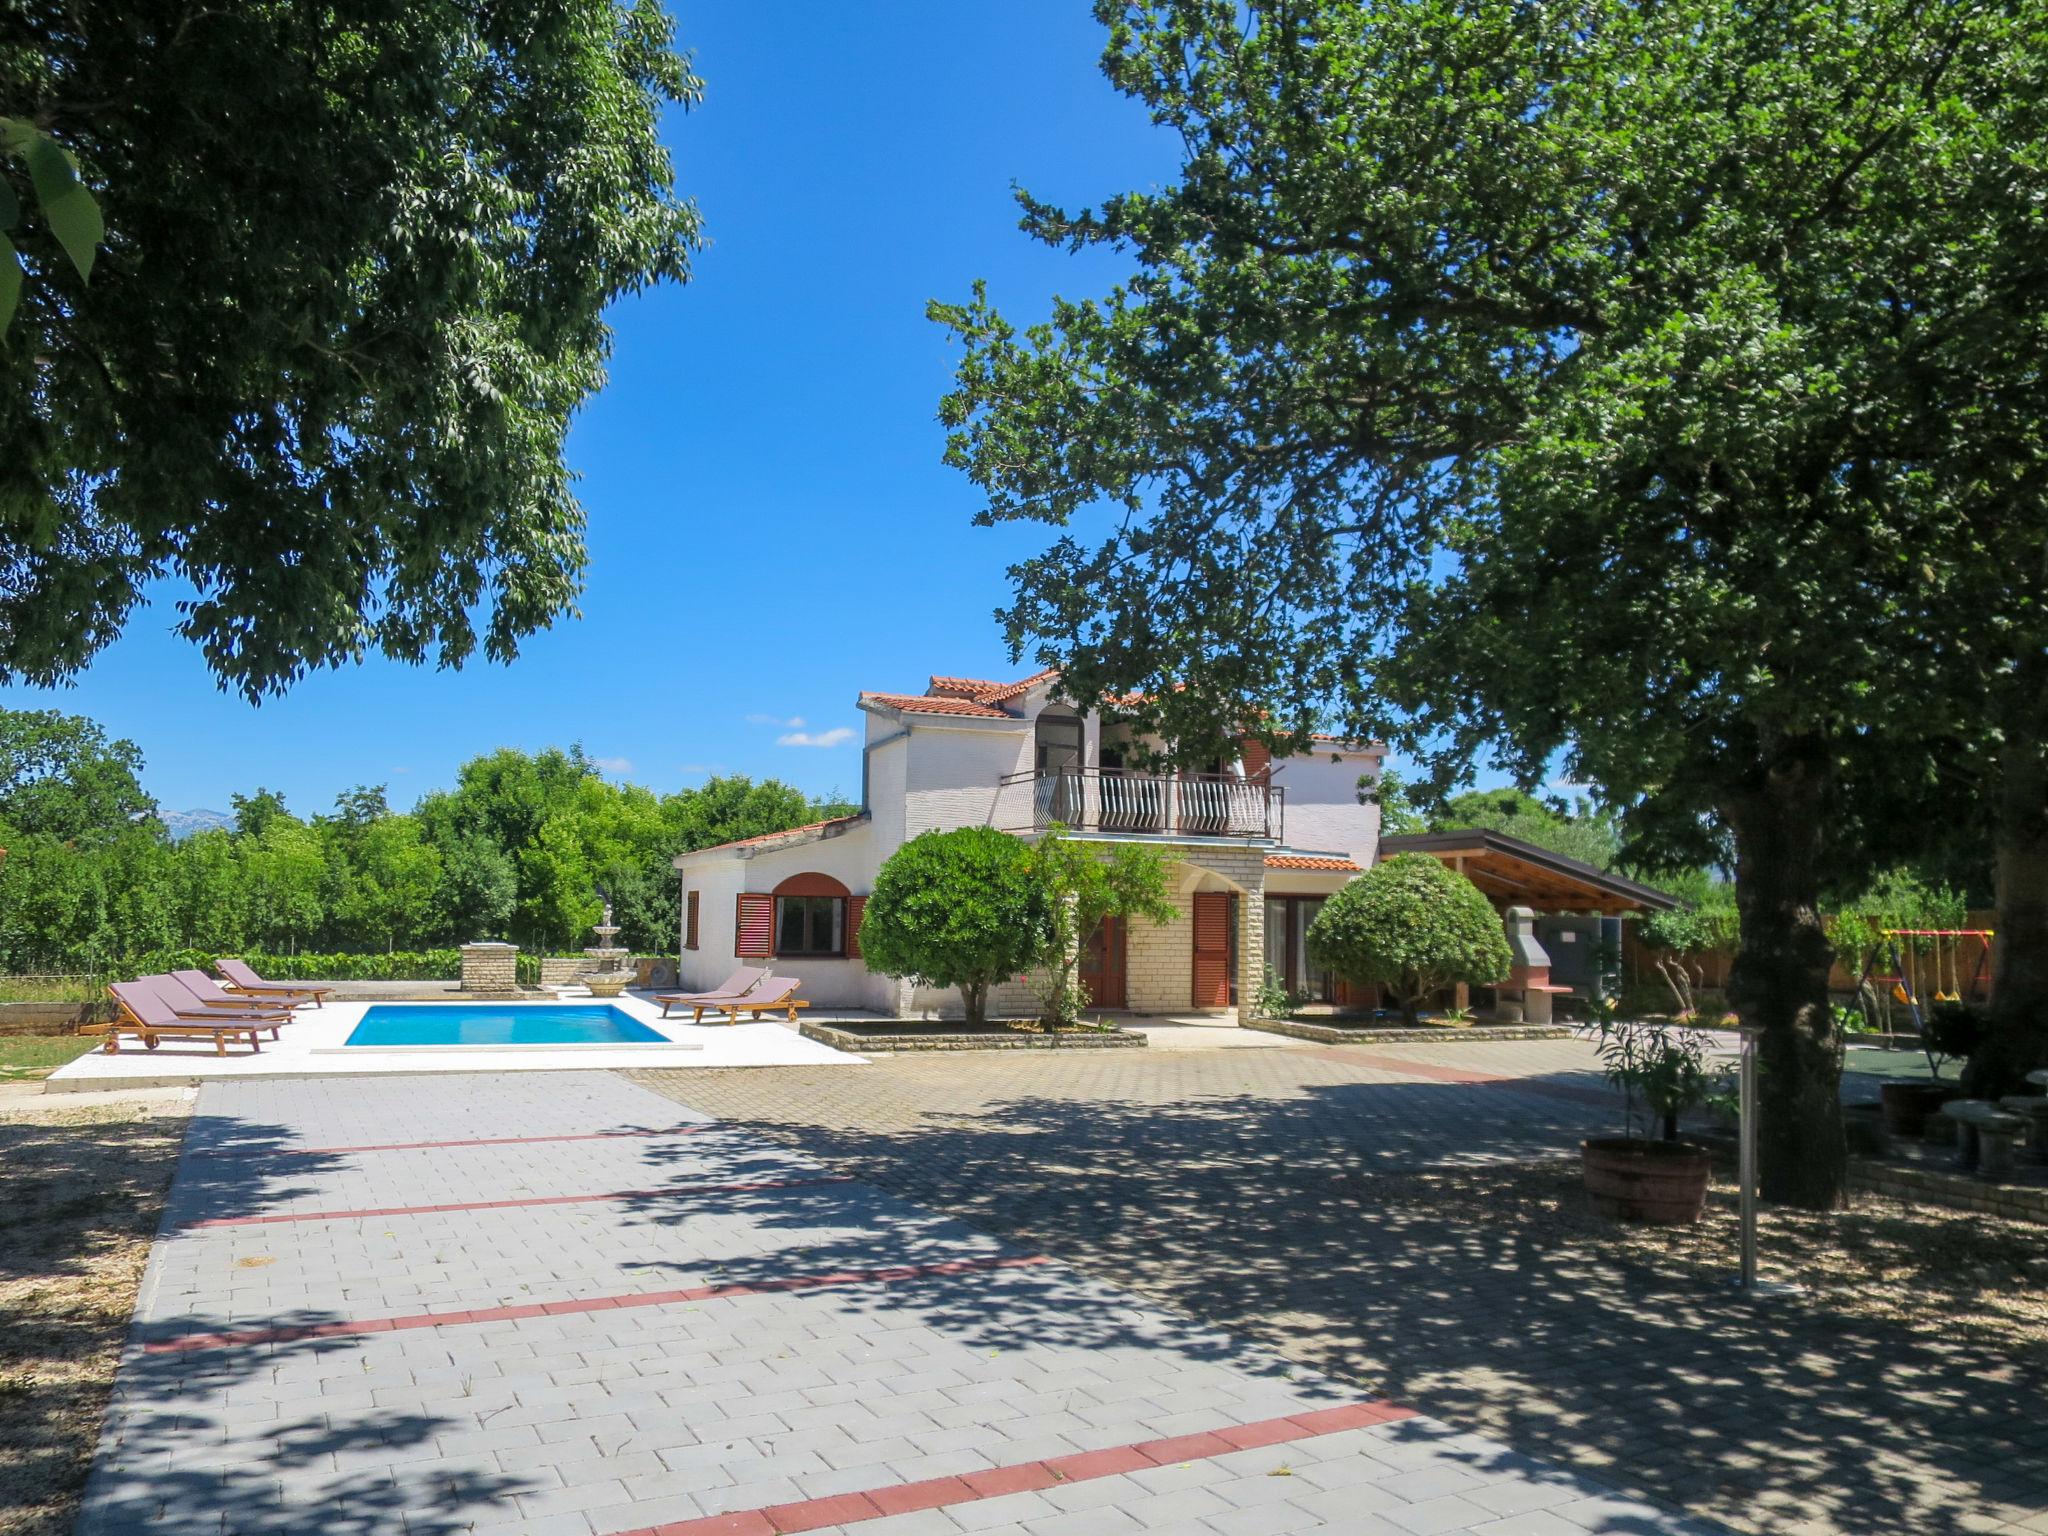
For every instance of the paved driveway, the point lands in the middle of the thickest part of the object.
(1353, 1210)
(563, 1303)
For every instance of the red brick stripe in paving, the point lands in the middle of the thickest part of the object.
(1351, 1056)
(1029, 1476)
(475, 1141)
(292, 1333)
(739, 1187)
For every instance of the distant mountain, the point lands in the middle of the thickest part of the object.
(183, 824)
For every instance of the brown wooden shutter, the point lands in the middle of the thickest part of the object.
(1212, 949)
(754, 926)
(855, 905)
(690, 921)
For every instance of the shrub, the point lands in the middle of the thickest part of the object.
(1412, 926)
(956, 909)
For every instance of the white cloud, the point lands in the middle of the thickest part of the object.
(618, 765)
(793, 723)
(838, 736)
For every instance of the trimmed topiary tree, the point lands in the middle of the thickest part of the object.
(1412, 926)
(957, 909)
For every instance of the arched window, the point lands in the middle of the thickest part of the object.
(811, 917)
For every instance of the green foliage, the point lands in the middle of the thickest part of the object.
(67, 210)
(391, 965)
(350, 297)
(1272, 999)
(1398, 810)
(61, 777)
(1896, 898)
(1576, 830)
(1661, 1066)
(1082, 883)
(1412, 926)
(1472, 387)
(514, 851)
(1704, 921)
(957, 909)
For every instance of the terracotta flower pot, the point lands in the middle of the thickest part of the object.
(1909, 1104)
(1655, 1181)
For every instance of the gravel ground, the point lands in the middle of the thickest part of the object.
(80, 1192)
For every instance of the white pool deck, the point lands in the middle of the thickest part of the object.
(311, 1046)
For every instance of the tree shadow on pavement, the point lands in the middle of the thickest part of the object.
(1485, 1293)
(197, 1440)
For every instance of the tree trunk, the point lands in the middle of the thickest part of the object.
(2018, 1040)
(1779, 983)
(975, 996)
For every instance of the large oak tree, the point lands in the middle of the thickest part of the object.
(356, 260)
(1576, 382)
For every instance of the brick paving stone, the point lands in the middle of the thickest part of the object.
(1330, 1203)
(1051, 1395)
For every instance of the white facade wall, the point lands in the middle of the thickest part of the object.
(1323, 812)
(953, 771)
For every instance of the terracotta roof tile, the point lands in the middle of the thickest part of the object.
(925, 704)
(1016, 689)
(964, 687)
(1305, 861)
(769, 837)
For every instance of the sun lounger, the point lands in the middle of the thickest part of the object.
(773, 994)
(240, 978)
(736, 986)
(146, 1015)
(197, 994)
(210, 992)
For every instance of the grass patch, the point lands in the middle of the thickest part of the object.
(24, 1058)
(80, 1194)
(51, 989)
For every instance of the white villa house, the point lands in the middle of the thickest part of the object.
(1257, 843)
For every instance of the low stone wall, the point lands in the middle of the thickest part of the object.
(871, 1039)
(1337, 1034)
(50, 1018)
(560, 970)
(1924, 1186)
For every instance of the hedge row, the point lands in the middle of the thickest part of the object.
(398, 965)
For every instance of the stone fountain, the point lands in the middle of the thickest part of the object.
(606, 975)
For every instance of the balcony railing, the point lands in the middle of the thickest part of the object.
(1166, 805)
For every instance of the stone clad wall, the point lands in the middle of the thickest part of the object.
(560, 970)
(490, 968)
(1161, 957)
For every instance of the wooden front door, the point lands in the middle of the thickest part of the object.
(1215, 979)
(1102, 965)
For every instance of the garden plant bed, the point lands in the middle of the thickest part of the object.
(80, 1193)
(1366, 1032)
(957, 1035)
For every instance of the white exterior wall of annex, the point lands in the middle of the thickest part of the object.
(828, 982)
(1324, 814)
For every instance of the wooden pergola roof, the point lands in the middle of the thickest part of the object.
(1513, 873)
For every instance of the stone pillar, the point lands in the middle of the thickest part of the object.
(1251, 941)
(490, 967)
(1531, 974)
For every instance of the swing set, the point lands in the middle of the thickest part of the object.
(1926, 968)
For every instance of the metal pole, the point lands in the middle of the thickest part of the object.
(1747, 1171)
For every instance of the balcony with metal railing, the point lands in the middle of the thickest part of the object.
(1113, 801)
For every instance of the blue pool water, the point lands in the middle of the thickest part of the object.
(500, 1024)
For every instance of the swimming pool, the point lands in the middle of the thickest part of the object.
(394, 1024)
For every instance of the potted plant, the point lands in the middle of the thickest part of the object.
(1662, 1069)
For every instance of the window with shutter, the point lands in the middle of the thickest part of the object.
(855, 905)
(754, 926)
(690, 921)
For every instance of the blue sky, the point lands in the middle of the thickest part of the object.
(768, 430)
